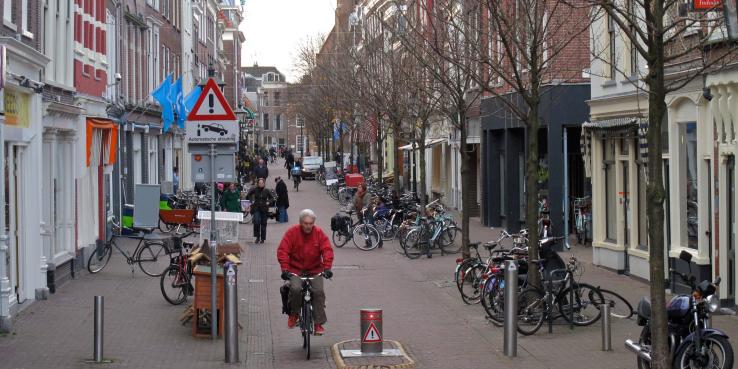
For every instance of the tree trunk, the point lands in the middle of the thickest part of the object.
(397, 163)
(531, 187)
(421, 154)
(380, 158)
(661, 358)
(465, 198)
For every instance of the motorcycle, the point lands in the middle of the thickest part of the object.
(693, 343)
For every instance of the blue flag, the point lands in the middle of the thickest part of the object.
(185, 105)
(162, 95)
(175, 96)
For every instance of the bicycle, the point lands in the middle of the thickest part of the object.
(151, 253)
(176, 280)
(361, 228)
(431, 234)
(570, 300)
(296, 178)
(306, 322)
(581, 218)
(619, 307)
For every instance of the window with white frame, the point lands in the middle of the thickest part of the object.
(611, 36)
(300, 143)
(25, 18)
(278, 122)
(266, 121)
(299, 121)
(8, 12)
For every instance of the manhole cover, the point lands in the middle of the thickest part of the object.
(444, 284)
(345, 267)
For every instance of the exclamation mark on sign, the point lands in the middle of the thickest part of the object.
(211, 102)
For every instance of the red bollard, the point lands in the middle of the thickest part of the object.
(371, 331)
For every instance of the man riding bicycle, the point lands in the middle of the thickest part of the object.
(305, 249)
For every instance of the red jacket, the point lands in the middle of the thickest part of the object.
(299, 252)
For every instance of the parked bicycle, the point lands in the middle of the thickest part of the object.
(176, 280)
(582, 218)
(578, 303)
(151, 253)
(365, 236)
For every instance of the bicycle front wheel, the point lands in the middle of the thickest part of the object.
(99, 258)
(620, 307)
(469, 282)
(450, 240)
(413, 245)
(492, 296)
(153, 259)
(307, 327)
(366, 237)
(584, 309)
(174, 285)
(531, 311)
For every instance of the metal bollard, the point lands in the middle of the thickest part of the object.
(98, 339)
(371, 331)
(606, 329)
(231, 314)
(511, 308)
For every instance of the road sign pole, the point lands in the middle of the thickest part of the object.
(213, 245)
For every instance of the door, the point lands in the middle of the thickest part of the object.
(731, 227)
(13, 191)
(626, 214)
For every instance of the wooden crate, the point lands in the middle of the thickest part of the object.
(202, 297)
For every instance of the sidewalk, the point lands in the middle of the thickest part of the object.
(422, 310)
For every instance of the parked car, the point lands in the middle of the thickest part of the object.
(310, 166)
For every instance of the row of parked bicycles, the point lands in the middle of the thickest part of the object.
(560, 293)
(420, 230)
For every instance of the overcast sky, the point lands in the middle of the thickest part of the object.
(274, 29)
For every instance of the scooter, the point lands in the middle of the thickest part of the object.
(693, 343)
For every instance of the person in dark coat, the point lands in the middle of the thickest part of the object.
(261, 171)
(260, 198)
(289, 162)
(283, 200)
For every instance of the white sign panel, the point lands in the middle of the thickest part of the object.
(207, 132)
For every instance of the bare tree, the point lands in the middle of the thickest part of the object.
(439, 38)
(677, 46)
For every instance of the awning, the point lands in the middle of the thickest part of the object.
(102, 141)
(428, 143)
(621, 127)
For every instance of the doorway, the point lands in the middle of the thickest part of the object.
(731, 226)
(13, 214)
(626, 215)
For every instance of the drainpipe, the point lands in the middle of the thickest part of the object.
(566, 188)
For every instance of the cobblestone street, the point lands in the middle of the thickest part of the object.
(422, 310)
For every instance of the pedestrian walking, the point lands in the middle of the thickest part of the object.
(261, 171)
(289, 162)
(260, 198)
(283, 200)
(230, 200)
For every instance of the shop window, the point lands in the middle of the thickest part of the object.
(610, 190)
(690, 208)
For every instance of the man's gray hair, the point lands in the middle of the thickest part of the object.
(307, 213)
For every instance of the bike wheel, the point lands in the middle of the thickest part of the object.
(620, 307)
(99, 259)
(413, 246)
(493, 299)
(531, 311)
(717, 352)
(584, 309)
(153, 259)
(366, 237)
(339, 239)
(449, 240)
(470, 287)
(307, 327)
(174, 284)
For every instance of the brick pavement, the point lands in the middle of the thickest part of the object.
(421, 310)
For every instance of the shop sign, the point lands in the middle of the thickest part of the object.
(16, 109)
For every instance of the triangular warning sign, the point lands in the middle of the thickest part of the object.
(372, 334)
(211, 105)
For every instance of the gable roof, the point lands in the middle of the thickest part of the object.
(258, 71)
